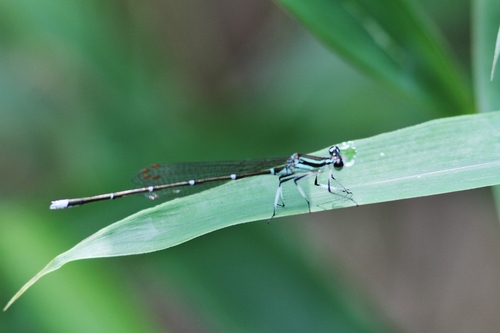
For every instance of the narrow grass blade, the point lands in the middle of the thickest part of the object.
(495, 56)
(485, 47)
(485, 22)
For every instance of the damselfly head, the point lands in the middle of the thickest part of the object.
(338, 163)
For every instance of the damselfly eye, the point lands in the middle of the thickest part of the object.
(338, 164)
(334, 151)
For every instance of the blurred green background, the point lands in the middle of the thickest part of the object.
(93, 91)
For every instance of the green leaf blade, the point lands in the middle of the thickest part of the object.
(439, 156)
(392, 41)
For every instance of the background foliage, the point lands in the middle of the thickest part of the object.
(92, 92)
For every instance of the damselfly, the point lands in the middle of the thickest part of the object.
(180, 179)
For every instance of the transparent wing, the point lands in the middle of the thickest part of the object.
(167, 173)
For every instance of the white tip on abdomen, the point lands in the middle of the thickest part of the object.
(59, 204)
